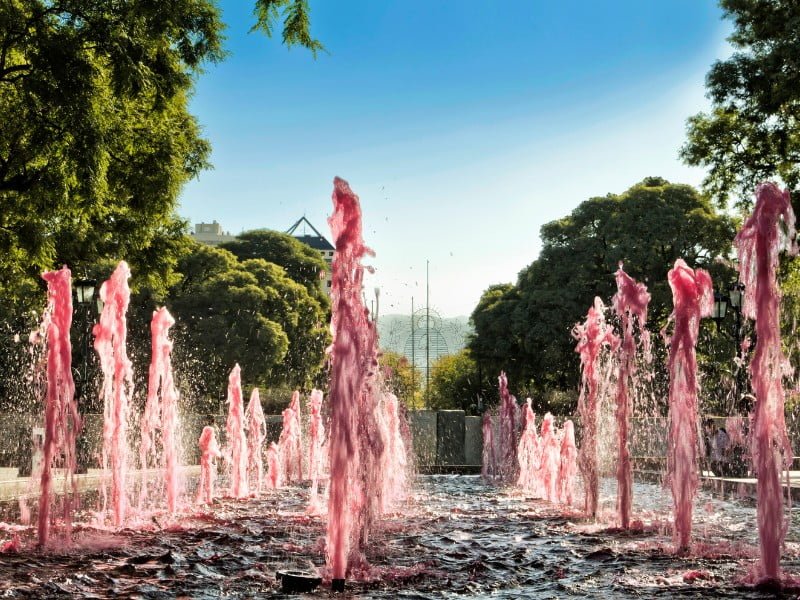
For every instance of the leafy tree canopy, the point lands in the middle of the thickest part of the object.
(455, 383)
(301, 262)
(753, 130)
(96, 138)
(647, 228)
(248, 312)
(400, 377)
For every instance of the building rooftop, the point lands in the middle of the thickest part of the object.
(316, 241)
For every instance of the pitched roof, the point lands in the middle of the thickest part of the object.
(318, 241)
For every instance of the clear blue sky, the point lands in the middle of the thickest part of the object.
(464, 126)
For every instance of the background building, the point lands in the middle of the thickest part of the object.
(212, 234)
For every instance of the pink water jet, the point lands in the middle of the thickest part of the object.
(770, 229)
(509, 426)
(593, 335)
(291, 441)
(568, 465)
(62, 423)
(110, 338)
(394, 465)
(630, 303)
(489, 466)
(274, 467)
(209, 452)
(693, 298)
(235, 437)
(528, 453)
(353, 356)
(550, 459)
(316, 437)
(256, 434)
(161, 414)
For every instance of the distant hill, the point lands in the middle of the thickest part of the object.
(447, 335)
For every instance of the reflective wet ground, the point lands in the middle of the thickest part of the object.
(456, 538)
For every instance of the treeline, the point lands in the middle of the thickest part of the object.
(96, 143)
(751, 134)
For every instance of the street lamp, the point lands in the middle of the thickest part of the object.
(84, 296)
(736, 294)
(720, 308)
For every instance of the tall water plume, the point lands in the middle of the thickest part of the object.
(110, 339)
(768, 230)
(693, 298)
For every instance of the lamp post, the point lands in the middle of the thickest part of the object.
(85, 300)
(735, 294)
(721, 304)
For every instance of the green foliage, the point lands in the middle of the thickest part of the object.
(647, 228)
(455, 383)
(753, 131)
(400, 377)
(97, 139)
(249, 313)
(493, 344)
(296, 24)
(301, 262)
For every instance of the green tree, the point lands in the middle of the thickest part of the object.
(401, 377)
(97, 140)
(753, 130)
(493, 344)
(647, 228)
(248, 312)
(455, 383)
(302, 263)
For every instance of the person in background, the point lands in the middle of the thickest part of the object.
(719, 443)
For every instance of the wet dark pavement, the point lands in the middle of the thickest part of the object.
(456, 538)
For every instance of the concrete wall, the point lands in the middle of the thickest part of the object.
(450, 437)
(473, 441)
(423, 425)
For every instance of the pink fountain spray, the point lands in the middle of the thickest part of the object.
(62, 423)
(353, 353)
(236, 440)
(630, 303)
(528, 451)
(550, 459)
(274, 467)
(316, 438)
(161, 413)
(758, 243)
(568, 466)
(489, 456)
(110, 335)
(256, 434)
(693, 298)
(509, 425)
(593, 335)
(209, 452)
(394, 457)
(291, 441)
